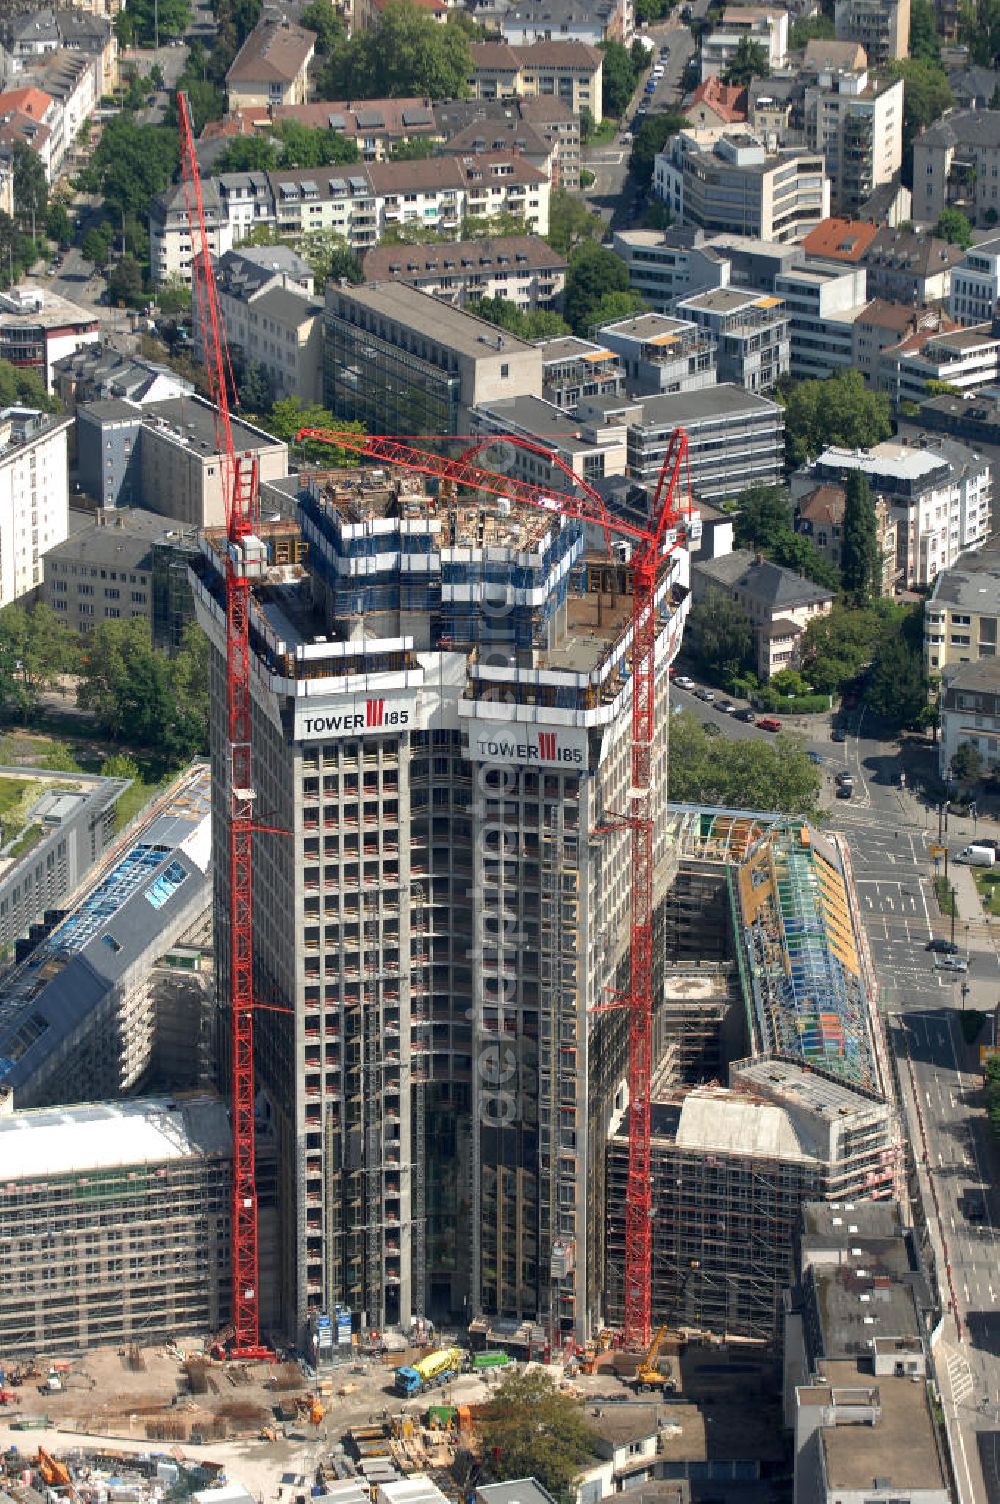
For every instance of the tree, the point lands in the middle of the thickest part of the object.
(153, 20)
(142, 696)
(131, 165)
(967, 763)
(18, 252)
(120, 765)
(255, 388)
(837, 410)
(979, 30)
(648, 11)
(571, 222)
(720, 637)
(750, 61)
(174, 298)
(248, 154)
(953, 226)
(820, 28)
(860, 556)
(651, 137)
(95, 245)
(330, 258)
(924, 44)
(21, 386)
(290, 414)
(416, 149)
(408, 53)
(302, 146)
(59, 226)
(543, 323)
(897, 687)
(593, 272)
(620, 76)
(35, 648)
(321, 18)
(31, 191)
(765, 775)
(530, 1429)
(762, 514)
(836, 647)
(125, 282)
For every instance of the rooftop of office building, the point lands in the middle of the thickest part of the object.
(191, 422)
(45, 1141)
(896, 1449)
(972, 582)
(650, 329)
(112, 924)
(428, 316)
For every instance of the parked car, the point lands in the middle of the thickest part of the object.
(746, 714)
(683, 682)
(845, 790)
(814, 757)
(838, 734)
(951, 963)
(708, 695)
(769, 723)
(844, 777)
(727, 707)
(943, 947)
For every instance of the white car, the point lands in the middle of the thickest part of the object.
(684, 682)
(659, 71)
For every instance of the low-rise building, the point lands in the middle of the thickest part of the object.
(99, 371)
(662, 354)
(843, 240)
(401, 362)
(779, 603)
(165, 456)
(34, 496)
(574, 369)
(819, 516)
(965, 359)
(272, 66)
(938, 493)
(666, 265)
(882, 326)
(953, 166)
(104, 571)
(855, 120)
(881, 27)
(271, 318)
(38, 327)
(767, 26)
(732, 182)
(714, 103)
(905, 266)
(962, 615)
(975, 284)
(50, 28)
(823, 303)
(591, 450)
(522, 269)
(750, 331)
(970, 712)
(571, 71)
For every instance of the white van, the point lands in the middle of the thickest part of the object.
(977, 856)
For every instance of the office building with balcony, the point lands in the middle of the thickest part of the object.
(855, 120)
(750, 331)
(401, 362)
(664, 265)
(574, 369)
(881, 27)
(730, 182)
(662, 354)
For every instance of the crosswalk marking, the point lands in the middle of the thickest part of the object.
(960, 1377)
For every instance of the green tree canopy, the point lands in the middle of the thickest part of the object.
(330, 258)
(820, 28)
(952, 225)
(837, 410)
(750, 61)
(407, 53)
(836, 647)
(31, 191)
(287, 144)
(593, 273)
(416, 149)
(719, 638)
(125, 282)
(763, 513)
(290, 414)
(142, 696)
(22, 386)
(771, 775)
(979, 30)
(131, 165)
(542, 324)
(926, 96)
(924, 43)
(897, 688)
(967, 763)
(18, 251)
(620, 76)
(35, 648)
(327, 23)
(149, 19)
(530, 1429)
(860, 555)
(570, 222)
(59, 226)
(651, 137)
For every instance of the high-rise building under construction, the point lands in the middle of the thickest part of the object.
(441, 734)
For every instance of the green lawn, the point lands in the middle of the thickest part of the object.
(136, 797)
(945, 896)
(988, 884)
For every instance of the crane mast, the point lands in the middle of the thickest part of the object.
(239, 479)
(650, 545)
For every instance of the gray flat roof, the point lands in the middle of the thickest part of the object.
(123, 538)
(427, 315)
(721, 401)
(973, 582)
(536, 416)
(193, 422)
(898, 1452)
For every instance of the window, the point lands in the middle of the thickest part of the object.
(504, 371)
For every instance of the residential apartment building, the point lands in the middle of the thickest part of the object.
(543, 127)
(380, 919)
(37, 328)
(714, 103)
(855, 120)
(597, 21)
(374, 125)
(905, 266)
(843, 240)
(165, 456)
(522, 269)
(882, 27)
(750, 331)
(767, 26)
(965, 359)
(98, 371)
(34, 496)
(975, 421)
(272, 66)
(402, 362)
(938, 494)
(23, 117)
(666, 265)
(823, 304)
(359, 202)
(569, 71)
(962, 614)
(975, 284)
(779, 603)
(735, 438)
(970, 712)
(663, 354)
(591, 450)
(105, 571)
(733, 183)
(143, 1187)
(881, 326)
(272, 320)
(956, 165)
(574, 369)
(49, 29)
(819, 516)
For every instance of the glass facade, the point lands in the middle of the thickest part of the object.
(370, 380)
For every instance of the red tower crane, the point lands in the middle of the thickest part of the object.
(239, 480)
(650, 545)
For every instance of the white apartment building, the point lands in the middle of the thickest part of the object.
(271, 317)
(750, 330)
(34, 496)
(666, 265)
(966, 359)
(938, 493)
(725, 180)
(975, 284)
(823, 303)
(856, 122)
(766, 26)
(359, 202)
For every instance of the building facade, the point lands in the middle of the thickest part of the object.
(735, 438)
(730, 182)
(663, 354)
(441, 1099)
(114, 1223)
(953, 165)
(779, 603)
(34, 496)
(881, 27)
(970, 712)
(822, 303)
(856, 122)
(750, 331)
(106, 572)
(975, 284)
(37, 328)
(569, 71)
(521, 269)
(819, 516)
(272, 66)
(962, 615)
(767, 26)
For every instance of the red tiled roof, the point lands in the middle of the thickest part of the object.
(725, 100)
(840, 239)
(824, 504)
(30, 101)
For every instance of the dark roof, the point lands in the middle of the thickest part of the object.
(123, 539)
(963, 128)
(909, 251)
(288, 306)
(506, 57)
(981, 677)
(274, 51)
(416, 263)
(773, 586)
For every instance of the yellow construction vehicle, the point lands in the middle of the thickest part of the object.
(316, 1411)
(56, 1474)
(649, 1375)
